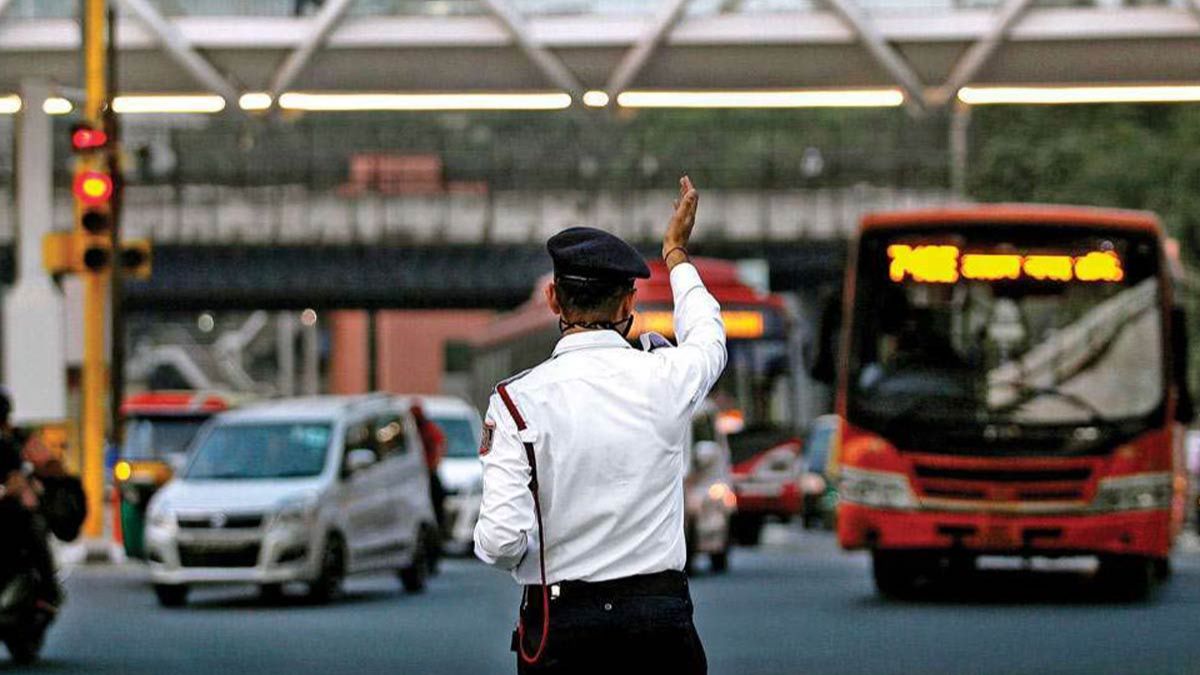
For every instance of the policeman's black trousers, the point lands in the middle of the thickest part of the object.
(629, 627)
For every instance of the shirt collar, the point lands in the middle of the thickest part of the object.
(589, 339)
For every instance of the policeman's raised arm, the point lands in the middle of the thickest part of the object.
(506, 511)
(699, 331)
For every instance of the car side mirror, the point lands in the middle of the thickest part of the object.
(359, 459)
(707, 453)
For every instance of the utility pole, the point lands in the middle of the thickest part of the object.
(95, 280)
(91, 250)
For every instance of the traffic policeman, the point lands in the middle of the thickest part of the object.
(584, 459)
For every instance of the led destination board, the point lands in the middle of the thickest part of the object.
(946, 264)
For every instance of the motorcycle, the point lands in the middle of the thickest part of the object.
(24, 617)
(25, 613)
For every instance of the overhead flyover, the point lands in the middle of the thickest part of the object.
(925, 50)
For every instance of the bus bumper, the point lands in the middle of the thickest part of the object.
(1145, 533)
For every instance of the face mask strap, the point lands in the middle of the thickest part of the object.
(623, 326)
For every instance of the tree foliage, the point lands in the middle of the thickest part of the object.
(1130, 156)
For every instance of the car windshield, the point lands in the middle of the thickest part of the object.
(462, 439)
(1006, 329)
(258, 451)
(159, 437)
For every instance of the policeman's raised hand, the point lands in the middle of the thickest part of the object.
(679, 229)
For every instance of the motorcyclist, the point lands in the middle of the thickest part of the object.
(20, 519)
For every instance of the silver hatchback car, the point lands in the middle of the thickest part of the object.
(304, 490)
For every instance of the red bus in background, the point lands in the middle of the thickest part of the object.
(755, 395)
(1010, 383)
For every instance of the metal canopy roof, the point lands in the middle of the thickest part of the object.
(925, 48)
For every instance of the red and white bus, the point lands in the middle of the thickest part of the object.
(1010, 384)
(756, 393)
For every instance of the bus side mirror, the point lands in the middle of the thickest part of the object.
(823, 368)
(1185, 410)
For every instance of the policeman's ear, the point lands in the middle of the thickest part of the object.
(629, 303)
(552, 298)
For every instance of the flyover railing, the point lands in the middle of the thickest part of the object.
(29, 9)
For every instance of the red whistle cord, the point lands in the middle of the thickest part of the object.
(537, 511)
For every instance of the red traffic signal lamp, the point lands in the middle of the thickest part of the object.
(93, 188)
(85, 138)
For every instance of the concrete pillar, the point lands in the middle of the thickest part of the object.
(285, 353)
(960, 127)
(34, 325)
(348, 358)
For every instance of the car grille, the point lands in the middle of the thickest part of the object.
(244, 521)
(997, 484)
(245, 555)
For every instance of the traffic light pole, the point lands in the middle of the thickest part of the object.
(116, 330)
(95, 284)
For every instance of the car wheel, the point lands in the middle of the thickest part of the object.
(270, 592)
(1127, 578)
(415, 576)
(328, 583)
(171, 595)
(433, 550)
(719, 562)
(747, 529)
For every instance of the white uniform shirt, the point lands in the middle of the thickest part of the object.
(609, 423)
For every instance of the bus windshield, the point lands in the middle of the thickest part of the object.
(1006, 330)
(159, 437)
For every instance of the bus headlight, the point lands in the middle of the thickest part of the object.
(1132, 493)
(883, 489)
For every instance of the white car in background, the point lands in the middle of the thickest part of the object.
(301, 490)
(460, 471)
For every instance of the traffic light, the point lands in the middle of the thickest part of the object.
(93, 188)
(136, 258)
(93, 191)
(85, 138)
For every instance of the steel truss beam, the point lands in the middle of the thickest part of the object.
(982, 51)
(639, 55)
(181, 50)
(546, 61)
(883, 52)
(324, 23)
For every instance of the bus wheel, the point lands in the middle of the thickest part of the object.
(1129, 578)
(898, 574)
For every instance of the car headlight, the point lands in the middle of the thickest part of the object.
(1131, 493)
(295, 511)
(884, 489)
(812, 484)
(722, 494)
(160, 514)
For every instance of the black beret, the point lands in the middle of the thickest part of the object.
(588, 253)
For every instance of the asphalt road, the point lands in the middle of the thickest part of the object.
(797, 605)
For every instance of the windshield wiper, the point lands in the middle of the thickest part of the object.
(1026, 393)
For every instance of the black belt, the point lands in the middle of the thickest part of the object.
(668, 582)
